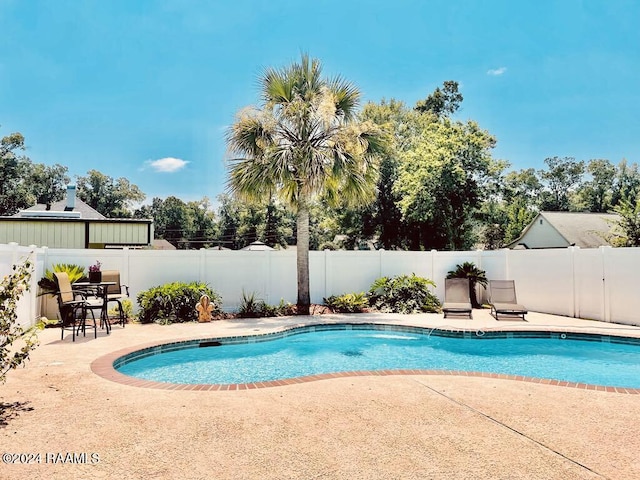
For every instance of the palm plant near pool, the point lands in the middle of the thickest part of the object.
(302, 143)
(474, 275)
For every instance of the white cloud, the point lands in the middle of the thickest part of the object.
(496, 71)
(167, 165)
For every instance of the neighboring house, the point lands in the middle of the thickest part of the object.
(565, 229)
(71, 223)
(257, 246)
(162, 244)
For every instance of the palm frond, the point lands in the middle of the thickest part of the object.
(346, 97)
(277, 86)
(251, 134)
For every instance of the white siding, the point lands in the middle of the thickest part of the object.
(543, 235)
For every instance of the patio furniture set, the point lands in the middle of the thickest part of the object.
(77, 301)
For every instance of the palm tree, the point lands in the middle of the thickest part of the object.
(304, 142)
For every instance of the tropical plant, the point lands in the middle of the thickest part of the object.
(253, 307)
(469, 271)
(12, 287)
(302, 143)
(48, 285)
(174, 302)
(348, 303)
(403, 294)
(626, 229)
(250, 305)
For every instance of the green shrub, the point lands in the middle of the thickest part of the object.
(403, 294)
(48, 284)
(127, 307)
(174, 302)
(348, 303)
(253, 307)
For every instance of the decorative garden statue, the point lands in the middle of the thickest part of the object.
(204, 308)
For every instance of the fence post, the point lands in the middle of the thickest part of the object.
(506, 263)
(433, 264)
(327, 285)
(479, 295)
(33, 285)
(266, 282)
(14, 252)
(606, 293)
(126, 258)
(575, 312)
(201, 264)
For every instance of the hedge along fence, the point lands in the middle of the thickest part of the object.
(598, 284)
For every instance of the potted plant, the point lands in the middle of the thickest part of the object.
(95, 274)
(474, 274)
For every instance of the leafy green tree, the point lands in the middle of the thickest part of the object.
(14, 193)
(597, 192)
(628, 225)
(434, 175)
(252, 221)
(240, 223)
(47, 182)
(112, 198)
(173, 221)
(229, 222)
(442, 103)
(626, 184)
(516, 204)
(524, 185)
(302, 143)
(519, 215)
(384, 217)
(561, 178)
(439, 181)
(278, 229)
(204, 231)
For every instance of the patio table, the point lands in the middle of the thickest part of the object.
(100, 290)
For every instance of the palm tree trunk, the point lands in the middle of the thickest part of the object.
(302, 233)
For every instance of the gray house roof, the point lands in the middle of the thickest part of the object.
(584, 230)
(86, 212)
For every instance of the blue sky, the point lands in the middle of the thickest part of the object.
(145, 89)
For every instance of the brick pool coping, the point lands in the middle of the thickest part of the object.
(104, 365)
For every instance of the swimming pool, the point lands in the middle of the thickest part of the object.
(315, 350)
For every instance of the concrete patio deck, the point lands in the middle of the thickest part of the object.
(369, 427)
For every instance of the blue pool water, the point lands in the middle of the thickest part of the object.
(593, 362)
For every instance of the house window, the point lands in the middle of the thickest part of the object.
(540, 221)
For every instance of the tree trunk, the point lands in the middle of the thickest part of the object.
(302, 233)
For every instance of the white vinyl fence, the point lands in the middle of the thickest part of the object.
(600, 284)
